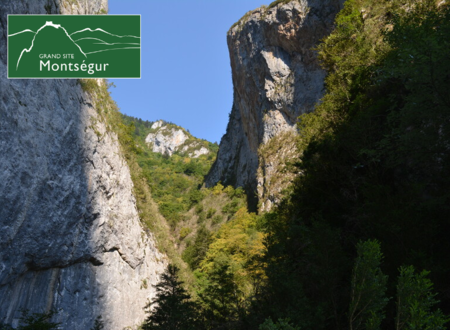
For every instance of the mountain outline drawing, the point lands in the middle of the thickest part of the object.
(86, 41)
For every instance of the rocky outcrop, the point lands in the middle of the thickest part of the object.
(168, 138)
(70, 234)
(276, 78)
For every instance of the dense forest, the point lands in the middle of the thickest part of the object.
(361, 240)
(374, 182)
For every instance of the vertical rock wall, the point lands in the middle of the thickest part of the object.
(276, 78)
(70, 234)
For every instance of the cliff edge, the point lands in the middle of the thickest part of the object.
(276, 78)
(70, 233)
(167, 138)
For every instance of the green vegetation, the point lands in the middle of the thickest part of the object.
(229, 273)
(263, 13)
(241, 21)
(194, 253)
(184, 232)
(173, 307)
(102, 11)
(416, 303)
(374, 159)
(210, 213)
(368, 288)
(108, 113)
(143, 128)
(98, 323)
(282, 324)
(277, 2)
(35, 321)
(192, 212)
(374, 163)
(173, 180)
(206, 218)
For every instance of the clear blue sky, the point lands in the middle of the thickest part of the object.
(186, 73)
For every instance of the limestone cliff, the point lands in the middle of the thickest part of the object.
(168, 138)
(276, 78)
(70, 234)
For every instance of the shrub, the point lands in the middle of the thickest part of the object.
(229, 191)
(210, 213)
(196, 252)
(275, 3)
(231, 207)
(282, 324)
(239, 192)
(35, 321)
(201, 218)
(171, 211)
(195, 197)
(199, 208)
(216, 219)
(184, 232)
(218, 189)
(98, 324)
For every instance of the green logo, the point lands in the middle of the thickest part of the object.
(74, 46)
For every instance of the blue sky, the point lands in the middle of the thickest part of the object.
(186, 73)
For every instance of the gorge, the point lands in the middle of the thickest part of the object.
(325, 205)
(276, 78)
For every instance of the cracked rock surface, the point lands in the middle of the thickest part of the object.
(167, 139)
(70, 234)
(276, 78)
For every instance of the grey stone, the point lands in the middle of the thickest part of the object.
(70, 233)
(167, 139)
(276, 78)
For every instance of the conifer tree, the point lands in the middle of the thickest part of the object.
(172, 308)
(34, 321)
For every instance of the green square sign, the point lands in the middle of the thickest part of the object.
(74, 46)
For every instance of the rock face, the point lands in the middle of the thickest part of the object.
(169, 138)
(70, 234)
(276, 78)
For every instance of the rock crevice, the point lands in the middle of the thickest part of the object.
(276, 78)
(70, 233)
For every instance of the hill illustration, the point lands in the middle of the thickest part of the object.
(51, 39)
(98, 40)
(22, 38)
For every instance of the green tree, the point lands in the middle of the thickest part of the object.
(98, 324)
(220, 295)
(282, 324)
(34, 321)
(416, 302)
(195, 253)
(236, 245)
(172, 308)
(368, 295)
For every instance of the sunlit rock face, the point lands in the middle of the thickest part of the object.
(276, 78)
(169, 138)
(70, 234)
(165, 140)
